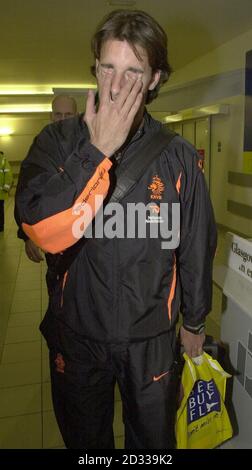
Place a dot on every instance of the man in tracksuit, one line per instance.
(114, 300)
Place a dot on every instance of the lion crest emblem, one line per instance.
(156, 187)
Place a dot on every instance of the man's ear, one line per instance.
(154, 80)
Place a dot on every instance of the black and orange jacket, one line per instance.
(118, 289)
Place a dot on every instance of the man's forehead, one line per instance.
(125, 47)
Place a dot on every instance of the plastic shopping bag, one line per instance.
(202, 420)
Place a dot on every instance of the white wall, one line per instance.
(228, 130)
(218, 77)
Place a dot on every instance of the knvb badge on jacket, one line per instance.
(203, 399)
(157, 187)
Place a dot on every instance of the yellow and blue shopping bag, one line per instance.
(202, 420)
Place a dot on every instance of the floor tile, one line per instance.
(4, 318)
(22, 373)
(22, 334)
(118, 424)
(25, 285)
(45, 352)
(119, 442)
(6, 290)
(24, 302)
(7, 277)
(21, 432)
(5, 305)
(44, 304)
(45, 370)
(11, 251)
(20, 297)
(24, 319)
(117, 393)
(11, 257)
(28, 275)
(21, 352)
(43, 282)
(46, 397)
(44, 293)
(12, 240)
(26, 269)
(20, 400)
(51, 434)
(26, 263)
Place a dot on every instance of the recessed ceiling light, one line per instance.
(25, 108)
(74, 90)
(25, 90)
(41, 89)
(5, 131)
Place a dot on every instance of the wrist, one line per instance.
(105, 150)
(196, 330)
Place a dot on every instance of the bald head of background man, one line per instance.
(63, 107)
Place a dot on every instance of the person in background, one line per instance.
(115, 301)
(6, 180)
(63, 107)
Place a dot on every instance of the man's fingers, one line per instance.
(135, 106)
(195, 353)
(129, 90)
(90, 105)
(132, 97)
(105, 89)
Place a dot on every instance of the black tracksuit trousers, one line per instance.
(83, 375)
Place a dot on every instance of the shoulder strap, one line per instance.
(148, 153)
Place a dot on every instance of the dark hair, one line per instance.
(137, 28)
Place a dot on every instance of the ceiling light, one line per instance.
(215, 109)
(25, 90)
(74, 90)
(44, 89)
(173, 118)
(195, 113)
(5, 131)
(25, 108)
